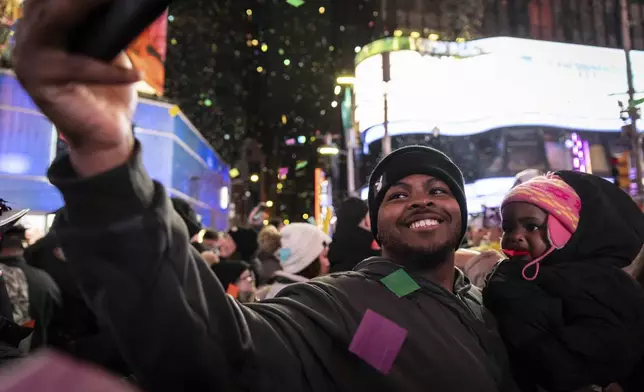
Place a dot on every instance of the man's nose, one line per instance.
(424, 201)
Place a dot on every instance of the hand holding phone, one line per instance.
(112, 27)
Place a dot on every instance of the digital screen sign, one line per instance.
(470, 88)
(148, 54)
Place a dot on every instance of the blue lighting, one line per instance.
(174, 152)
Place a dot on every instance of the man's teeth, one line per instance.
(423, 223)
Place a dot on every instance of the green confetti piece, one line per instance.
(400, 283)
(295, 3)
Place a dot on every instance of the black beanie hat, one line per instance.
(228, 272)
(351, 212)
(412, 160)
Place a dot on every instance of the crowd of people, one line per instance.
(405, 296)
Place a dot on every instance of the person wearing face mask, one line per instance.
(303, 256)
(570, 316)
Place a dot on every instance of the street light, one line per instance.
(349, 82)
(346, 80)
(328, 150)
(254, 178)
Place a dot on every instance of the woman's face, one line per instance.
(525, 229)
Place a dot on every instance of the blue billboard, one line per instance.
(174, 153)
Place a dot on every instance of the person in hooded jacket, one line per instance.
(352, 237)
(570, 316)
(170, 316)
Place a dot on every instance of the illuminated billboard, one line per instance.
(148, 54)
(461, 89)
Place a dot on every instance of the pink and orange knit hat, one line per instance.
(559, 200)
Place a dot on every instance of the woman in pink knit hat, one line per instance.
(571, 318)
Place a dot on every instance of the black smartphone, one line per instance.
(112, 27)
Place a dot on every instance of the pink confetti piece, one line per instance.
(52, 372)
(378, 341)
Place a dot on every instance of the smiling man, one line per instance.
(408, 321)
(418, 205)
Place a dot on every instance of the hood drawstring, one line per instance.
(535, 262)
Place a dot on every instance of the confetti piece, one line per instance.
(52, 372)
(295, 3)
(174, 111)
(400, 283)
(378, 341)
(232, 290)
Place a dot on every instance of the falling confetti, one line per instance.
(212, 59)
(174, 111)
(378, 341)
(50, 371)
(400, 283)
(295, 3)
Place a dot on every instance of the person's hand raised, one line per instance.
(90, 102)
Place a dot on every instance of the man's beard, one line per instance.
(422, 258)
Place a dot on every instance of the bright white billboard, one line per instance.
(499, 82)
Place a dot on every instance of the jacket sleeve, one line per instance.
(170, 316)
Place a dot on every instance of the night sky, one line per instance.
(265, 70)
